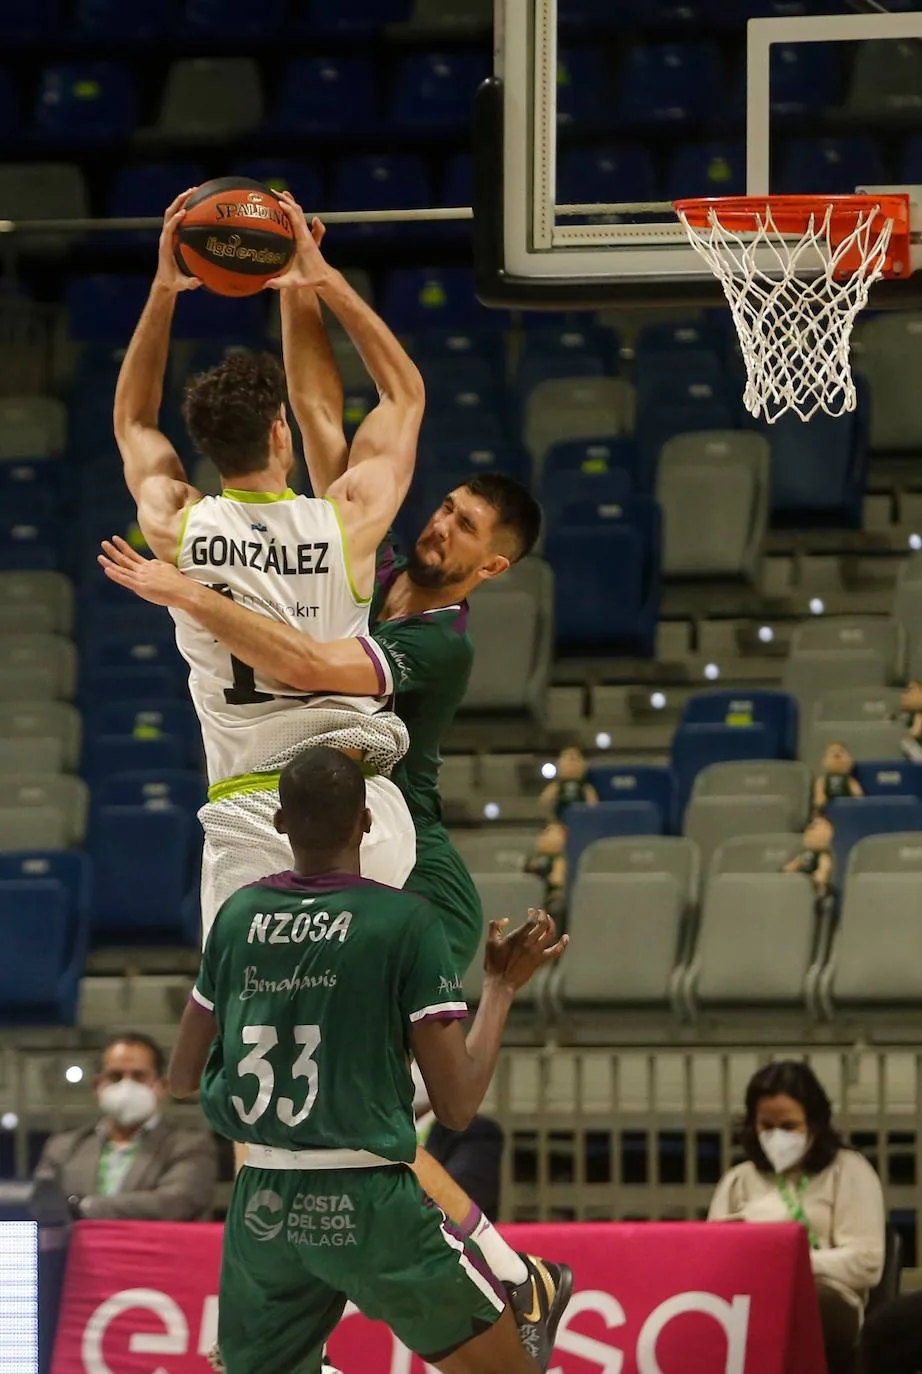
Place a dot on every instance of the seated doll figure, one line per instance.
(911, 716)
(570, 785)
(836, 777)
(549, 863)
(815, 859)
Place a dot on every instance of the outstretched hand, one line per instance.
(515, 958)
(168, 272)
(153, 581)
(308, 266)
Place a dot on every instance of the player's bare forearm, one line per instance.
(197, 1030)
(390, 366)
(457, 1071)
(146, 452)
(314, 387)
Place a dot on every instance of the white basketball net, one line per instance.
(793, 314)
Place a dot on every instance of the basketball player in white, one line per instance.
(302, 561)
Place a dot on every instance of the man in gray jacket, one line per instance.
(132, 1165)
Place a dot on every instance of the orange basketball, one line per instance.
(235, 236)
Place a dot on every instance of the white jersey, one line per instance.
(284, 556)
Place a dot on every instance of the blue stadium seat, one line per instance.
(43, 952)
(30, 489)
(150, 720)
(203, 315)
(29, 545)
(604, 176)
(104, 649)
(327, 95)
(696, 746)
(607, 819)
(911, 165)
(804, 78)
(610, 486)
(85, 102)
(163, 787)
(434, 92)
(147, 189)
(680, 336)
(575, 457)
(538, 368)
(684, 377)
(101, 685)
(453, 461)
(302, 179)
(890, 778)
(585, 91)
(776, 711)
(854, 818)
(23, 21)
(468, 417)
(371, 182)
(208, 353)
(113, 20)
(621, 782)
(360, 17)
(673, 15)
(105, 308)
(707, 169)
(819, 469)
(829, 166)
(576, 16)
(141, 859)
(106, 755)
(668, 84)
(447, 345)
(10, 114)
(222, 20)
(431, 298)
(567, 341)
(445, 377)
(593, 549)
(458, 182)
(69, 869)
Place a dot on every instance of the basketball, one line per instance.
(235, 236)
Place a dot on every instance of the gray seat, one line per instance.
(456, 786)
(42, 793)
(907, 609)
(39, 754)
(504, 895)
(450, 18)
(44, 190)
(766, 853)
(759, 778)
(496, 849)
(711, 821)
(36, 827)
(886, 79)
(37, 667)
(887, 351)
(671, 854)
(866, 704)
(28, 720)
(36, 602)
(513, 635)
(628, 933)
(32, 427)
(210, 98)
(864, 739)
(852, 633)
(713, 488)
(876, 955)
(810, 673)
(755, 941)
(576, 408)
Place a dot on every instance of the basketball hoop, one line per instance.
(796, 270)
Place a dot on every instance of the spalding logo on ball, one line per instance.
(235, 236)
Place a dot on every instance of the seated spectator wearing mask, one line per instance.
(131, 1165)
(798, 1170)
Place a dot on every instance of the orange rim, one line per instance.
(791, 216)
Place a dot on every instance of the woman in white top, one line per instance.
(797, 1169)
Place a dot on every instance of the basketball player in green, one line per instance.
(316, 986)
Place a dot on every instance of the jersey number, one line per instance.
(243, 692)
(264, 1039)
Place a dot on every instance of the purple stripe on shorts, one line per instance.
(379, 671)
(476, 1259)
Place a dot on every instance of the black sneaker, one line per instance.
(538, 1304)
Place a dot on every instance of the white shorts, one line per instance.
(242, 844)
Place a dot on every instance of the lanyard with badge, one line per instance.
(794, 1203)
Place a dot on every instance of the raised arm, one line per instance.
(383, 454)
(457, 1071)
(315, 387)
(154, 473)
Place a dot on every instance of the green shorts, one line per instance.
(298, 1244)
(441, 876)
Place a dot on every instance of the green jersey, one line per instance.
(315, 983)
(429, 658)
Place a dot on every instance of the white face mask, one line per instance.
(128, 1103)
(783, 1149)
